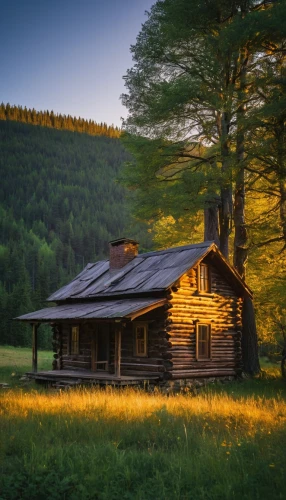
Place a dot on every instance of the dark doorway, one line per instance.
(100, 354)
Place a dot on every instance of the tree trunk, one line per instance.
(225, 215)
(211, 223)
(240, 236)
(249, 344)
(280, 134)
(283, 363)
(249, 334)
(282, 188)
(240, 233)
(225, 212)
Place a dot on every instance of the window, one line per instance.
(74, 340)
(204, 281)
(140, 345)
(203, 341)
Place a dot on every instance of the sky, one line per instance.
(68, 56)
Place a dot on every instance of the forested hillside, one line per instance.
(59, 207)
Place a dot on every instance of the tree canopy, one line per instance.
(207, 89)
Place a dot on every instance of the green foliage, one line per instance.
(60, 204)
(161, 180)
(213, 74)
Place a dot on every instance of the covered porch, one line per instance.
(99, 361)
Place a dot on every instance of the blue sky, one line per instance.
(68, 56)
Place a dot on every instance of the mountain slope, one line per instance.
(59, 207)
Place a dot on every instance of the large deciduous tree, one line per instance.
(191, 84)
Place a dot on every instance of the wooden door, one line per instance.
(100, 348)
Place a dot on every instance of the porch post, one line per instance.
(35, 347)
(117, 353)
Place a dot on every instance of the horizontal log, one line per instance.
(144, 367)
(222, 343)
(223, 347)
(186, 351)
(205, 365)
(200, 373)
(178, 359)
(73, 365)
(142, 373)
(182, 343)
(183, 336)
(191, 310)
(179, 348)
(196, 365)
(190, 330)
(149, 360)
(227, 335)
(225, 360)
(202, 313)
(180, 326)
(197, 299)
(181, 293)
(222, 353)
(203, 316)
(66, 357)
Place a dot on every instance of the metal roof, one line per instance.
(149, 272)
(111, 309)
(145, 275)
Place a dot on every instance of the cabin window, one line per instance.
(204, 278)
(140, 339)
(203, 341)
(74, 340)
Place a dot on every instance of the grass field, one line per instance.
(227, 442)
(14, 362)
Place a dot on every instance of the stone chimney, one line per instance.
(121, 252)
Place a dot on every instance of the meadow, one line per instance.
(225, 442)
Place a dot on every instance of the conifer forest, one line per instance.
(60, 205)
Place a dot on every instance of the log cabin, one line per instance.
(173, 314)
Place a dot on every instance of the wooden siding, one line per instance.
(221, 308)
(153, 363)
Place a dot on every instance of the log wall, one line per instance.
(153, 364)
(221, 309)
(83, 359)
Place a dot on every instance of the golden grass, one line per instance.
(107, 443)
(130, 405)
(226, 442)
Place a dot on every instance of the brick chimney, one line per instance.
(121, 252)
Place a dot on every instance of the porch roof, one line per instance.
(108, 309)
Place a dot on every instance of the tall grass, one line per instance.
(228, 442)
